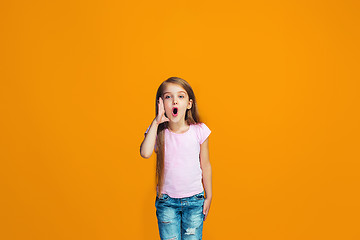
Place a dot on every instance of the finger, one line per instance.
(159, 106)
(162, 103)
(205, 210)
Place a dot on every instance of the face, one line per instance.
(176, 102)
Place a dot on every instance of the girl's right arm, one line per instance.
(148, 144)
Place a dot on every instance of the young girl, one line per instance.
(183, 169)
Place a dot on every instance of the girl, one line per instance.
(183, 168)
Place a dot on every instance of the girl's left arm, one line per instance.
(206, 174)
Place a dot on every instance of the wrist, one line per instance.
(208, 196)
(155, 122)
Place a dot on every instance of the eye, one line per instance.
(167, 96)
(181, 96)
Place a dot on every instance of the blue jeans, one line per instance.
(180, 218)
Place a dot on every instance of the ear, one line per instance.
(190, 104)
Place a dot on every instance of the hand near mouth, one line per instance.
(160, 118)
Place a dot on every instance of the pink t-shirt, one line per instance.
(182, 171)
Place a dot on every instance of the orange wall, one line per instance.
(277, 82)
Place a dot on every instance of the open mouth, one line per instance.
(175, 111)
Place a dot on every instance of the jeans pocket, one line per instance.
(163, 197)
(199, 196)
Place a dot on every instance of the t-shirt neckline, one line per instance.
(180, 133)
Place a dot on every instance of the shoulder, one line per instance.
(202, 131)
(201, 127)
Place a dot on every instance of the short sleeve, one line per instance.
(204, 132)
(146, 133)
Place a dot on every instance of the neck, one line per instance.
(177, 126)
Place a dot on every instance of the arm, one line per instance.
(147, 145)
(207, 175)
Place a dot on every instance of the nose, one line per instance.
(175, 101)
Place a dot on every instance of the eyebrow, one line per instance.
(178, 92)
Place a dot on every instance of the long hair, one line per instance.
(191, 117)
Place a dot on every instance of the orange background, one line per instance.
(277, 82)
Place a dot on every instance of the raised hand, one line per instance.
(160, 118)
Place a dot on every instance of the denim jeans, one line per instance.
(180, 218)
